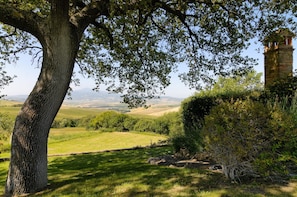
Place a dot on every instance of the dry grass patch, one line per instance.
(154, 110)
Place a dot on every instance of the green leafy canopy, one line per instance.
(133, 46)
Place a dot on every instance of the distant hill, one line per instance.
(86, 98)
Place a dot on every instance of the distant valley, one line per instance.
(86, 98)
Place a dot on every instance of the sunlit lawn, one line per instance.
(73, 140)
(126, 173)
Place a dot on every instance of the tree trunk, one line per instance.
(28, 164)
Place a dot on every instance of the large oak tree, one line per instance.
(130, 46)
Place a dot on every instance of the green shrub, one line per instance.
(6, 127)
(6, 123)
(168, 124)
(283, 88)
(184, 145)
(55, 124)
(129, 123)
(85, 121)
(287, 124)
(112, 120)
(248, 138)
(145, 125)
(65, 122)
(175, 124)
(4, 142)
(161, 126)
(193, 111)
(195, 108)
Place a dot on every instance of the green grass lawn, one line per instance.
(76, 140)
(73, 140)
(126, 173)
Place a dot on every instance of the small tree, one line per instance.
(237, 84)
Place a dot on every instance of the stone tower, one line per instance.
(278, 55)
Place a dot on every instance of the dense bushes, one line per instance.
(70, 122)
(168, 124)
(249, 132)
(195, 108)
(113, 121)
(283, 88)
(110, 120)
(65, 122)
(184, 145)
(249, 138)
(144, 125)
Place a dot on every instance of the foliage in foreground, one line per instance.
(283, 88)
(249, 138)
(196, 107)
(251, 133)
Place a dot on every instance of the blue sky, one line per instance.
(27, 74)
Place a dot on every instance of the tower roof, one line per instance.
(279, 35)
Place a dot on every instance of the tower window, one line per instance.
(275, 44)
(288, 41)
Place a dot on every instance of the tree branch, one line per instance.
(24, 20)
(182, 17)
(106, 30)
(88, 14)
(23, 49)
(9, 35)
(158, 26)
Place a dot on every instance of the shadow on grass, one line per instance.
(126, 173)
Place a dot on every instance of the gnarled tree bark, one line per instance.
(28, 164)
